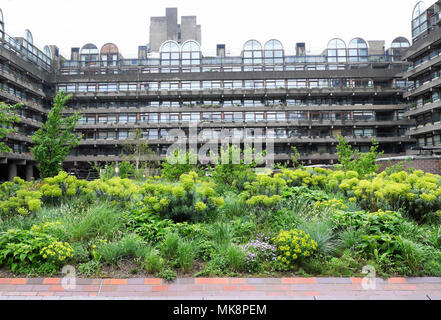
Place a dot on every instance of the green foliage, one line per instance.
(130, 246)
(19, 198)
(153, 262)
(90, 268)
(32, 248)
(187, 200)
(170, 245)
(186, 255)
(354, 160)
(126, 170)
(53, 141)
(100, 220)
(230, 168)
(168, 274)
(369, 222)
(7, 120)
(148, 225)
(293, 246)
(177, 164)
(322, 232)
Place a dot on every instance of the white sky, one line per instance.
(73, 23)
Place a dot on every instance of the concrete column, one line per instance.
(12, 171)
(29, 172)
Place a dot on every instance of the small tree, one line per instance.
(354, 160)
(54, 140)
(295, 156)
(138, 150)
(7, 120)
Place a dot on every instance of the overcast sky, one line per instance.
(126, 23)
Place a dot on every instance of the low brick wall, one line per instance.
(426, 164)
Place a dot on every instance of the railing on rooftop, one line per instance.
(26, 51)
(230, 64)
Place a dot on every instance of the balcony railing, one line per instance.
(26, 52)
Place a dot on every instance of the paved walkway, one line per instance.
(221, 289)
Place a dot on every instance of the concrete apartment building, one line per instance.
(359, 89)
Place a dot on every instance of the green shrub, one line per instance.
(322, 233)
(19, 198)
(235, 257)
(91, 268)
(101, 220)
(32, 248)
(186, 255)
(411, 253)
(293, 246)
(433, 268)
(81, 253)
(153, 262)
(221, 234)
(168, 274)
(128, 247)
(170, 245)
(148, 225)
(370, 222)
(188, 200)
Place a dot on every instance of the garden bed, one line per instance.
(304, 222)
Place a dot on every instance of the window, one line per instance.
(358, 50)
(336, 51)
(252, 52)
(363, 115)
(363, 132)
(191, 53)
(274, 52)
(419, 20)
(170, 54)
(109, 55)
(89, 55)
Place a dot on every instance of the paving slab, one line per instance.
(332, 288)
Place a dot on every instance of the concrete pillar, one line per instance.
(12, 171)
(29, 172)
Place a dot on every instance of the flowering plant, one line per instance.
(293, 246)
(258, 252)
(31, 248)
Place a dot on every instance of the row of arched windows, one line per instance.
(272, 52)
(108, 55)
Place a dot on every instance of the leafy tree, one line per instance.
(7, 119)
(54, 140)
(177, 164)
(139, 151)
(354, 160)
(295, 156)
(230, 169)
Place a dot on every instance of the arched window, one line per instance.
(191, 53)
(252, 52)
(109, 55)
(419, 19)
(28, 37)
(358, 50)
(170, 53)
(400, 42)
(274, 52)
(336, 50)
(398, 45)
(47, 51)
(89, 55)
